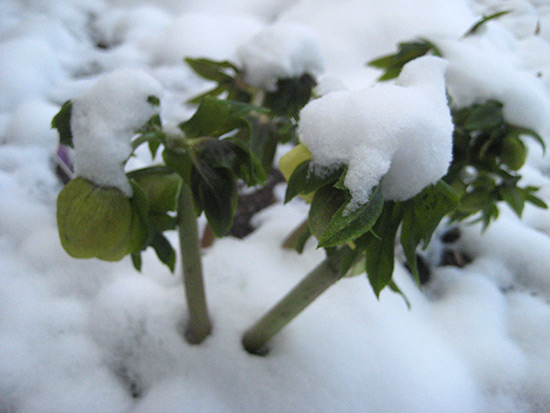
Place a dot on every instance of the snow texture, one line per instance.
(398, 135)
(89, 336)
(103, 121)
(280, 51)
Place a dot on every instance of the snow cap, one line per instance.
(279, 51)
(103, 121)
(397, 134)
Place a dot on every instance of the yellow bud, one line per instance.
(292, 159)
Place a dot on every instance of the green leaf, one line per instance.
(326, 201)
(395, 288)
(216, 117)
(380, 250)
(164, 250)
(291, 96)
(486, 116)
(536, 201)
(264, 138)
(349, 257)
(232, 154)
(484, 20)
(151, 133)
(348, 225)
(153, 100)
(302, 240)
(407, 51)
(514, 197)
(410, 240)
(62, 122)
(421, 216)
(136, 260)
(304, 181)
(161, 222)
(531, 133)
(211, 69)
(430, 206)
(179, 162)
(215, 192)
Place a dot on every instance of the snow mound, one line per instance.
(279, 51)
(397, 134)
(103, 121)
(479, 72)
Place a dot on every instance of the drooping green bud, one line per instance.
(94, 221)
(161, 186)
(513, 152)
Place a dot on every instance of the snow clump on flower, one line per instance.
(396, 134)
(283, 50)
(103, 121)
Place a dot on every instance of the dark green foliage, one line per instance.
(474, 29)
(62, 122)
(367, 232)
(216, 117)
(380, 247)
(291, 96)
(487, 153)
(393, 64)
(347, 225)
(421, 216)
(304, 181)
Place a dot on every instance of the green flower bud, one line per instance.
(161, 186)
(97, 222)
(513, 152)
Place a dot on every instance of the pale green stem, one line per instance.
(303, 294)
(291, 240)
(199, 326)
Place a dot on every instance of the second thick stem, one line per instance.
(199, 326)
(303, 294)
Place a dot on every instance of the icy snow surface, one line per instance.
(91, 336)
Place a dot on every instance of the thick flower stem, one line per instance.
(303, 294)
(199, 322)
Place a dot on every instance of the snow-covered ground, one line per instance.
(91, 336)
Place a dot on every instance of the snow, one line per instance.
(103, 121)
(471, 79)
(399, 135)
(280, 51)
(88, 336)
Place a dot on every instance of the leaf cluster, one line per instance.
(365, 236)
(487, 155)
(392, 64)
(286, 100)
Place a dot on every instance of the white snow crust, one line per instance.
(283, 50)
(398, 135)
(103, 121)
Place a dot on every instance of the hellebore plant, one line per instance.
(223, 142)
(233, 136)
